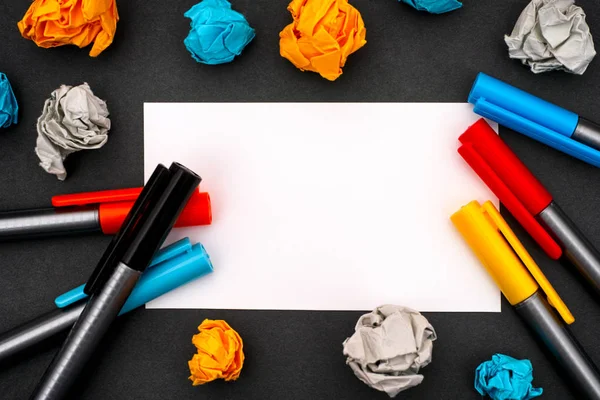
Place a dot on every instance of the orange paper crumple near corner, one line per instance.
(324, 33)
(220, 353)
(51, 23)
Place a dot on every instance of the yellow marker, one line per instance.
(504, 257)
(519, 278)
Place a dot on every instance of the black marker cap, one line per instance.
(148, 223)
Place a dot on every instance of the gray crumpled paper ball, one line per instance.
(388, 348)
(73, 119)
(552, 35)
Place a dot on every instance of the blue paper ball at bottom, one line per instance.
(506, 378)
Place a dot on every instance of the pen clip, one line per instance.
(553, 297)
(537, 132)
(165, 254)
(508, 198)
(99, 197)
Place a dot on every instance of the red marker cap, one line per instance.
(509, 179)
(114, 205)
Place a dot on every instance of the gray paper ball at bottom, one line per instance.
(389, 347)
(73, 119)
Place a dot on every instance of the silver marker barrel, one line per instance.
(582, 373)
(587, 132)
(90, 328)
(28, 224)
(577, 248)
(33, 332)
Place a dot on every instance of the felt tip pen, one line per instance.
(92, 212)
(528, 201)
(526, 289)
(173, 266)
(130, 252)
(545, 122)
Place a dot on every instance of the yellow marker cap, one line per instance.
(504, 257)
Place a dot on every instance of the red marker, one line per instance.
(96, 212)
(527, 200)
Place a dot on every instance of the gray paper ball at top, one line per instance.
(73, 119)
(552, 35)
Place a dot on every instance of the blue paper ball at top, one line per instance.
(218, 33)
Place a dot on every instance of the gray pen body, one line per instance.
(25, 336)
(543, 320)
(587, 132)
(48, 222)
(96, 318)
(578, 249)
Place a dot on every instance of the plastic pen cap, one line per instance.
(533, 117)
(148, 223)
(114, 205)
(504, 257)
(509, 179)
(171, 267)
(501, 96)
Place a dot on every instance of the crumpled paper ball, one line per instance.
(388, 348)
(324, 33)
(73, 119)
(9, 109)
(220, 353)
(217, 33)
(434, 6)
(552, 35)
(505, 378)
(51, 23)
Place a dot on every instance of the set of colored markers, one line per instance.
(141, 219)
(489, 236)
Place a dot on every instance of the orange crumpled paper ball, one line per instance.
(51, 23)
(324, 33)
(220, 353)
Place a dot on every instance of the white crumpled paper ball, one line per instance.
(388, 348)
(552, 35)
(73, 119)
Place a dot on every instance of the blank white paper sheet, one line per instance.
(326, 206)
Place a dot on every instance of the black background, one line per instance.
(409, 57)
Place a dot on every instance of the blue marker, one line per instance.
(171, 267)
(540, 120)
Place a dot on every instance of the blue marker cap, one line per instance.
(171, 267)
(531, 116)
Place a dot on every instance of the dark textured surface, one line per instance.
(290, 355)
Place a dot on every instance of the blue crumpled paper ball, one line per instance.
(434, 6)
(217, 33)
(505, 378)
(9, 109)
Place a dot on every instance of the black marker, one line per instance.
(130, 252)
